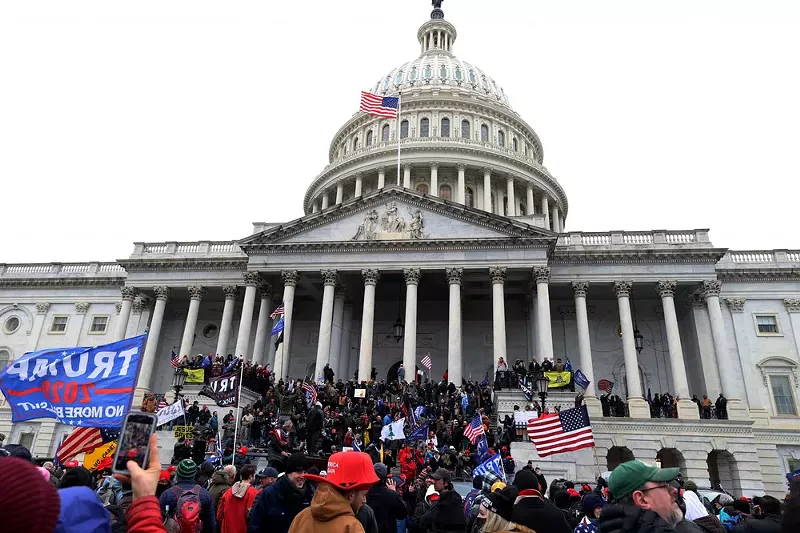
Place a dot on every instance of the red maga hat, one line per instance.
(348, 471)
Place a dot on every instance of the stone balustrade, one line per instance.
(761, 257)
(54, 270)
(189, 249)
(696, 237)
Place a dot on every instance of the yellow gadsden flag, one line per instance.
(92, 460)
(195, 375)
(558, 379)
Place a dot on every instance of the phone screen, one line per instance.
(134, 441)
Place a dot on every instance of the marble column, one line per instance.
(455, 362)
(264, 325)
(727, 372)
(461, 187)
(344, 348)
(546, 211)
(487, 189)
(367, 324)
(686, 408)
(336, 331)
(412, 277)
(314, 207)
(153, 336)
(407, 176)
(251, 281)
(196, 293)
(224, 337)
(329, 280)
(530, 208)
(533, 343)
(283, 357)
(128, 294)
(434, 185)
(339, 193)
(512, 198)
(579, 290)
(498, 277)
(325, 200)
(359, 184)
(381, 177)
(543, 326)
(556, 220)
(637, 405)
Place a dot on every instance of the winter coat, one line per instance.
(314, 420)
(419, 511)
(539, 514)
(170, 498)
(771, 523)
(367, 518)
(219, 484)
(710, 524)
(277, 506)
(447, 514)
(144, 516)
(687, 526)
(81, 511)
(234, 506)
(391, 507)
(329, 513)
(631, 519)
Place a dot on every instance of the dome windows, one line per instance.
(445, 127)
(459, 74)
(385, 133)
(484, 83)
(472, 79)
(386, 82)
(413, 74)
(443, 72)
(404, 129)
(445, 192)
(355, 144)
(469, 197)
(484, 133)
(369, 138)
(465, 129)
(428, 74)
(424, 127)
(514, 144)
(422, 188)
(501, 138)
(398, 79)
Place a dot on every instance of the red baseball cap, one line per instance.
(348, 471)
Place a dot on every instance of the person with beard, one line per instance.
(644, 500)
(281, 502)
(447, 514)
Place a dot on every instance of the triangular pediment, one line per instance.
(396, 214)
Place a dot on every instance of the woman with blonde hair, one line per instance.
(497, 509)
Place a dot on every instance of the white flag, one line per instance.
(393, 431)
(170, 412)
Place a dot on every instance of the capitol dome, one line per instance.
(459, 140)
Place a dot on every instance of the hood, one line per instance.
(329, 504)
(82, 512)
(207, 468)
(220, 478)
(710, 524)
(239, 489)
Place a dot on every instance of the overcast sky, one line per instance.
(160, 120)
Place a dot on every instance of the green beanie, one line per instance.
(187, 469)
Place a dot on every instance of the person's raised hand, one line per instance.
(145, 482)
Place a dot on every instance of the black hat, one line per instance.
(526, 479)
(296, 462)
(443, 474)
(501, 502)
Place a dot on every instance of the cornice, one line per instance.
(508, 243)
(636, 255)
(758, 274)
(183, 264)
(678, 429)
(106, 282)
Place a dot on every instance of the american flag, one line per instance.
(162, 403)
(277, 312)
(474, 429)
(175, 361)
(311, 390)
(605, 385)
(379, 106)
(426, 362)
(79, 441)
(562, 432)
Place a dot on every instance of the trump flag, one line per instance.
(76, 386)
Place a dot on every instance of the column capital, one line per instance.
(454, 275)
(498, 275)
(289, 277)
(695, 300)
(407, 167)
(42, 308)
(510, 177)
(580, 288)
(711, 287)
(541, 274)
(81, 307)
(162, 292)
(792, 305)
(340, 291)
(252, 279)
(118, 307)
(623, 288)
(412, 276)
(128, 293)
(329, 277)
(736, 305)
(487, 170)
(382, 169)
(230, 291)
(371, 276)
(266, 290)
(666, 288)
(196, 292)
(461, 167)
(434, 165)
(140, 304)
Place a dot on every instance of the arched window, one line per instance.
(445, 127)
(469, 197)
(398, 79)
(404, 129)
(413, 74)
(501, 138)
(445, 192)
(483, 81)
(355, 144)
(5, 358)
(459, 75)
(465, 129)
(484, 133)
(472, 79)
(428, 72)
(443, 72)
(514, 143)
(424, 127)
(386, 82)
(422, 188)
(369, 138)
(385, 133)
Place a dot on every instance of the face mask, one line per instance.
(480, 522)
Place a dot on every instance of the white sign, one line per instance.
(360, 393)
(521, 417)
(393, 431)
(170, 412)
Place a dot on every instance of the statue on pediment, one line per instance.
(417, 224)
(366, 231)
(392, 221)
(391, 225)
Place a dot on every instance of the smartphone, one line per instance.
(134, 441)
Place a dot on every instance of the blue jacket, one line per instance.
(207, 515)
(273, 512)
(82, 512)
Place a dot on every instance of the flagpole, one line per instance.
(238, 412)
(398, 138)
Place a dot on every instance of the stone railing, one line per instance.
(29, 270)
(190, 249)
(748, 258)
(698, 237)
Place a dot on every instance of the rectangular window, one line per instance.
(767, 325)
(99, 325)
(59, 324)
(26, 439)
(782, 393)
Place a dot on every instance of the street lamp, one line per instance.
(398, 330)
(638, 339)
(542, 383)
(178, 381)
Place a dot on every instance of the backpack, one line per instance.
(186, 518)
(117, 509)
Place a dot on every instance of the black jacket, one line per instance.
(540, 515)
(709, 524)
(314, 421)
(771, 523)
(631, 519)
(446, 515)
(390, 506)
(367, 518)
(687, 526)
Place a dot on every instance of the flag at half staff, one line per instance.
(379, 106)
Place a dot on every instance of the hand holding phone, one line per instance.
(134, 441)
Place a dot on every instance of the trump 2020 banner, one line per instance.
(76, 386)
(224, 390)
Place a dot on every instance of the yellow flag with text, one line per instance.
(558, 379)
(92, 460)
(195, 375)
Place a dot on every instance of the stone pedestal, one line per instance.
(638, 408)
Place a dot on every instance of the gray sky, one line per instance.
(184, 120)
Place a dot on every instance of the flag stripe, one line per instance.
(379, 106)
(567, 431)
(80, 440)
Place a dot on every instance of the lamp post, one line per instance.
(542, 383)
(178, 381)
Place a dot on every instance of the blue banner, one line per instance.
(421, 433)
(581, 380)
(481, 449)
(76, 386)
(492, 464)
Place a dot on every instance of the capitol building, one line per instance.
(463, 252)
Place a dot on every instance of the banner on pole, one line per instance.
(224, 390)
(76, 386)
(558, 379)
(194, 375)
(170, 413)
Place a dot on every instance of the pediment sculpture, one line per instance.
(390, 225)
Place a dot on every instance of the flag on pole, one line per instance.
(526, 391)
(420, 433)
(79, 441)
(426, 362)
(219, 444)
(418, 412)
(279, 311)
(492, 464)
(474, 429)
(562, 432)
(581, 380)
(175, 361)
(605, 385)
(278, 327)
(568, 365)
(485, 382)
(482, 449)
(311, 391)
(379, 106)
